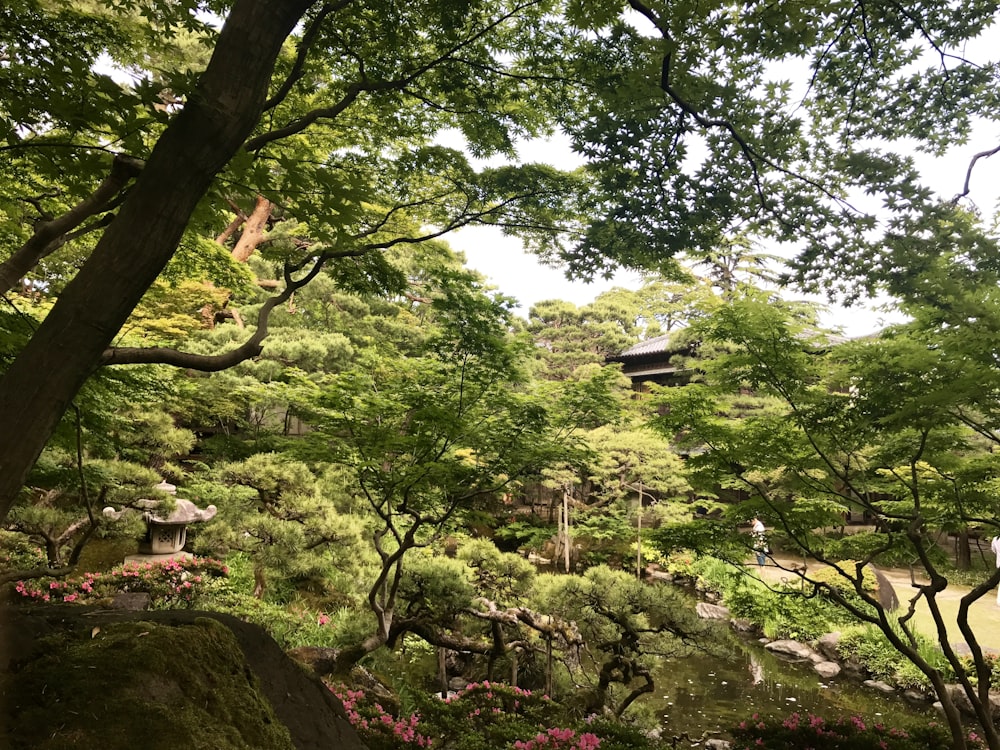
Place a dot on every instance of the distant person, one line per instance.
(759, 534)
(995, 546)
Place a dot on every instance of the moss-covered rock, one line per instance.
(85, 677)
(140, 684)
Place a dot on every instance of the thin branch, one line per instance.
(50, 235)
(966, 189)
(305, 46)
(354, 90)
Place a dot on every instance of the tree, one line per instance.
(624, 467)
(423, 442)
(569, 337)
(690, 132)
(207, 132)
(794, 124)
(272, 511)
(626, 624)
(185, 137)
(871, 425)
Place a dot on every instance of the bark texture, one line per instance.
(212, 127)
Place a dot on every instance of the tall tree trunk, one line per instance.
(219, 116)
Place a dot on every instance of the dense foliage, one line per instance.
(223, 265)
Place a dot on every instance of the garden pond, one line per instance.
(703, 694)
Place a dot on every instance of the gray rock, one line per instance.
(854, 668)
(879, 685)
(884, 590)
(715, 744)
(792, 649)
(827, 645)
(708, 611)
(827, 669)
(133, 601)
(742, 625)
(962, 702)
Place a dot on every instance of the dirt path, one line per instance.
(984, 615)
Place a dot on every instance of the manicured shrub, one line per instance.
(174, 582)
(487, 716)
(846, 733)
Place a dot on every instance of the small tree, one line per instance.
(271, 510)
(873, 425)
(429, 440)
(628, 627)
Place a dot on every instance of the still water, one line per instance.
(703, 694)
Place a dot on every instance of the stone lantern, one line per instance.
(166, 535)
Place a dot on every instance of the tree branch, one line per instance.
(354, 90)
(50, 235)
(966, 187)
(308, 38)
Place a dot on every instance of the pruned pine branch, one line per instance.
(251, 348)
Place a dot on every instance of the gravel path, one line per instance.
(984, 615)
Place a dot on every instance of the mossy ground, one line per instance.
(128, 685)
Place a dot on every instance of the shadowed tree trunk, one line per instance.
(219, 116)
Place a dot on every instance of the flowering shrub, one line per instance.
(377, 727)
(559, 739)
(846, 733)
(486, 716)
(168, 583)
(18, 553)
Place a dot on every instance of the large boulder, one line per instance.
(708, 611)
(827, 669)
(962, 702)
(794, 650)
(884, 590)
(84, 677)
(827, 645)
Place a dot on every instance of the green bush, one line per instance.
(678, 562)
(792, 614)
(862, 545)
(523, 534)
(781, 611)
(717, 575)
(869, 646)
(17, 552)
